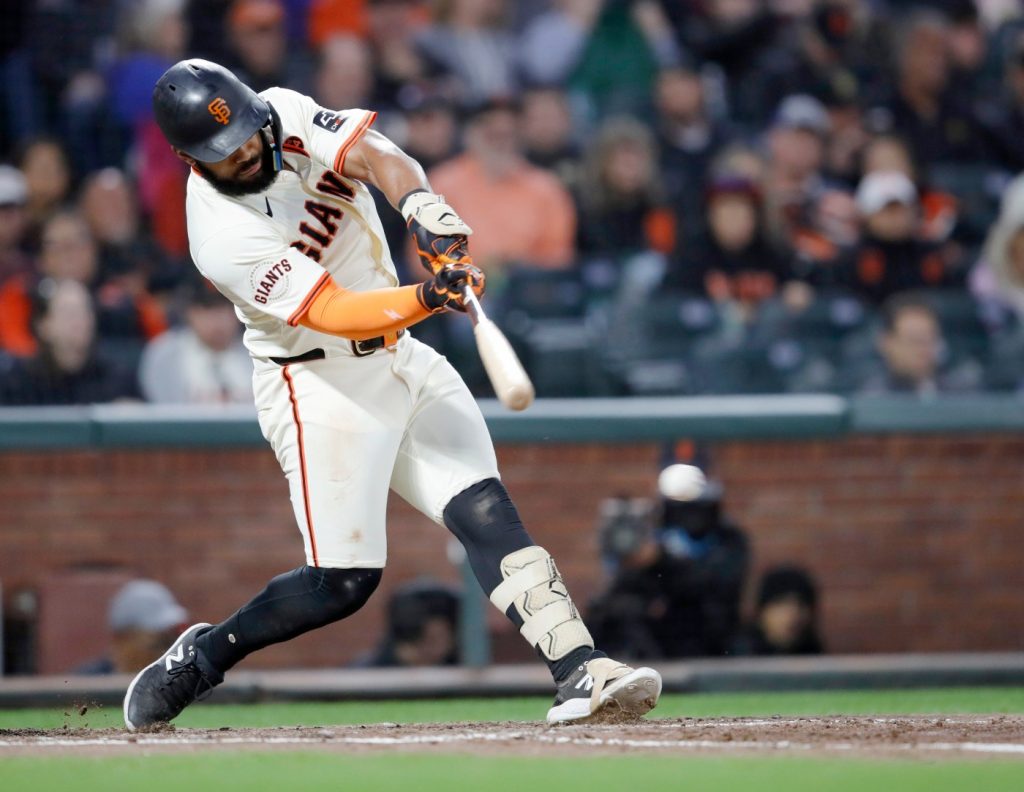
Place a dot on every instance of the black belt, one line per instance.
(359, 349)
(305, 357)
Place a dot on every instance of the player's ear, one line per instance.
(183, 156)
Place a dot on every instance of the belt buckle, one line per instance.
(362, 351)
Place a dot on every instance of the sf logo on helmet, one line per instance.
(219, 110)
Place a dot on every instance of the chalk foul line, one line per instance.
(486, 737)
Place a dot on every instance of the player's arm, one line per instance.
(256, 268)
(363, 315)
(440, 234)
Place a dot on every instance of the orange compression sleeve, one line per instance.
(362, 315)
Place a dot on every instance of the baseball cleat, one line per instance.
(161, 690)
(602, 683)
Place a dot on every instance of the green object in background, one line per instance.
(617, 69)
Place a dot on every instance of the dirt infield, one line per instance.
(919, 737)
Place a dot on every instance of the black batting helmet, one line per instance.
(205, 111)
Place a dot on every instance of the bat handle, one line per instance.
(473, 307)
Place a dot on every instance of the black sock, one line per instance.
(291, 604)
(562, 668)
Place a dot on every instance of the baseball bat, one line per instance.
(507, 375)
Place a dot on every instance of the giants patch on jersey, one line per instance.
(269, 280)
(328, 120)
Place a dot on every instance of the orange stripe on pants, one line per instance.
(302, 463)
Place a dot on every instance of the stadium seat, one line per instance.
(557, 354)
(977, 188)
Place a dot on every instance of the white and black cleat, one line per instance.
(603, 683)
(161, 690)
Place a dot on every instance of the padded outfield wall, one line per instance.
(909, 513)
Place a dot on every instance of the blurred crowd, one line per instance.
(689, 196)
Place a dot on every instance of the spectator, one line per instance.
(69, 252)
(422, 628)
(621, 207)
(847, 137)
(786, 618)
(432, 130)
(796, 150)
(329, 18)
(143, 618)
(67, 368)
(399, 67)
(518, 213)
(733, 263)
(627, 46)
(259, 47)
(939, 209)
(344, 75)
(47, 172)
(911, 346)
(733, 34)
(826, 53)
(14, 258)
(548, 139)
(128, 256)
(740, 162)
(151, 38)
(679, 569)
(553, 41)
(203, 361)
(688, 139)
(937, 122)
(891, 256)
(470, 45)
(998, 277)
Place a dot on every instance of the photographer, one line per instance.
(679, 567)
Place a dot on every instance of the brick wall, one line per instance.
(917, 541)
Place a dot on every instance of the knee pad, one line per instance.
(531, 582)
(483, 514)
(485, 520)
(343, 591)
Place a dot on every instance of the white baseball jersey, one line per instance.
(271, 252)
(346, 429)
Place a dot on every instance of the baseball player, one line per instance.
(281, 222)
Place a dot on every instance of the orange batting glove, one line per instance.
(438, 231)
(446, 288)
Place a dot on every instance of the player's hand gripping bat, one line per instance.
(508, 378)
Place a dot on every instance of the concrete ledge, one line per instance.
(719, 675)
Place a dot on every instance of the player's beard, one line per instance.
(236, 188)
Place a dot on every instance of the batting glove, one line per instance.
(440, 234)
(446, 288)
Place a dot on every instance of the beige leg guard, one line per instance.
(550, 620)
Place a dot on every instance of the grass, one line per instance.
(280, 769)
(702, 705)
(277, 771)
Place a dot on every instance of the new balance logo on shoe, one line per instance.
(587, 683)
(178, 658)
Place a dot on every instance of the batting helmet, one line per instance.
(205, 111)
